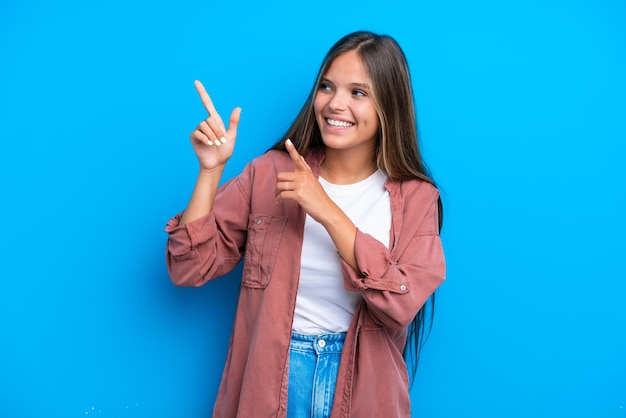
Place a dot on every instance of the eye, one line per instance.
(360, 93)
(324, 86)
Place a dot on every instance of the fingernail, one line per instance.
(289, 141)
(223, 139)
(217, 142)
(208, 142)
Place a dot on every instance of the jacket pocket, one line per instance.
(264, 234)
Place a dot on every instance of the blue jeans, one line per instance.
(313, 366)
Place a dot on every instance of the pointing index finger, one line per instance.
(206, 100)
(295, 156)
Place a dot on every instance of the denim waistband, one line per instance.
(320, 344)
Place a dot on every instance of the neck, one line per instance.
(342, 167)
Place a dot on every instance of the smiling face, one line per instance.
(344, 109)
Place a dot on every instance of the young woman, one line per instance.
(338, 225)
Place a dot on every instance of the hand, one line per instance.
(302, 186)
(212, 142)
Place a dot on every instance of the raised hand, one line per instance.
(211, 140)
(302, 186)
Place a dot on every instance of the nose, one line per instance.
(337, 102)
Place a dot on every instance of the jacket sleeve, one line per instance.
(396, 284)
(210, 246)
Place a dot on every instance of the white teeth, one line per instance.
(339, 123)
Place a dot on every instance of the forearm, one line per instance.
(394, 289)
(343, 234)
(395, 283)
(203, 195)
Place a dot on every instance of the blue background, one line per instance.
(521, 108)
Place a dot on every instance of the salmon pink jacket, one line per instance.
(246, 222)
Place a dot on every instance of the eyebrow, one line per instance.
(359, 85)
(362, 85)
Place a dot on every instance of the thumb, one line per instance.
(234, 122)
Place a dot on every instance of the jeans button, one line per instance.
(321, 343)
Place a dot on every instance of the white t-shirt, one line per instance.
(323, 304)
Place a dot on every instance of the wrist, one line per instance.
(213, 171)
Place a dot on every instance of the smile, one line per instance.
(339, 123)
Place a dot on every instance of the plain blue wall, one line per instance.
(522, 111)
